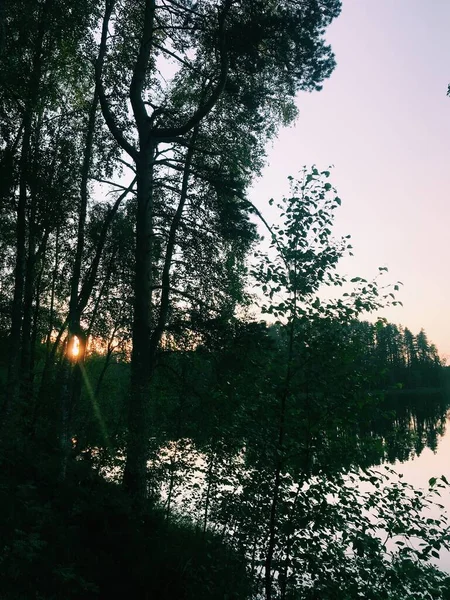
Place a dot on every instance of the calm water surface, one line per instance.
(430, 462)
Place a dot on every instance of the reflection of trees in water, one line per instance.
(329, 426)
(387, 429)
(217, 448)
(405, 424)
(231, 494)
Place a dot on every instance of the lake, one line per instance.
(429, 432)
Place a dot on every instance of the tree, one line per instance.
(214, 36)
(38, 56)
(305, 259)
(255, 455)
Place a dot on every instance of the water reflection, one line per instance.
(394, 427)
(407, 422)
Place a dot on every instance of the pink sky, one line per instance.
(383, 121)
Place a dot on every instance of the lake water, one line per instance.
(430, 462)
(420, 469)
(410, 431)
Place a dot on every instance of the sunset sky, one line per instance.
(383, 121)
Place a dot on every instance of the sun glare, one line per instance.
(75, 347)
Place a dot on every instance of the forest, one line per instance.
(194, 402)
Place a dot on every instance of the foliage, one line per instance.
(363, 535)
(259, 432)
(83, 539)
(130, 133)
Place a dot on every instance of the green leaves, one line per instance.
(302, 251)
(330, 525)
(304, 255)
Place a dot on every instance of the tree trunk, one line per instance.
(29, 287)
(135, 473)
(13, 377)
(280, 449)
(12, 386)
(144, 345)
(72, 380)
(209, 478)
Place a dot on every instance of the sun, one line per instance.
(75, 347)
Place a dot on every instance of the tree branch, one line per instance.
(179, 59)
(163, 133)
(88, 283)
(106, 110)
(174, 226)
(139, 72)
(113, 183)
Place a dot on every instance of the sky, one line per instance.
(383, 120)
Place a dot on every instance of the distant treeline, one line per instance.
(400, 358)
